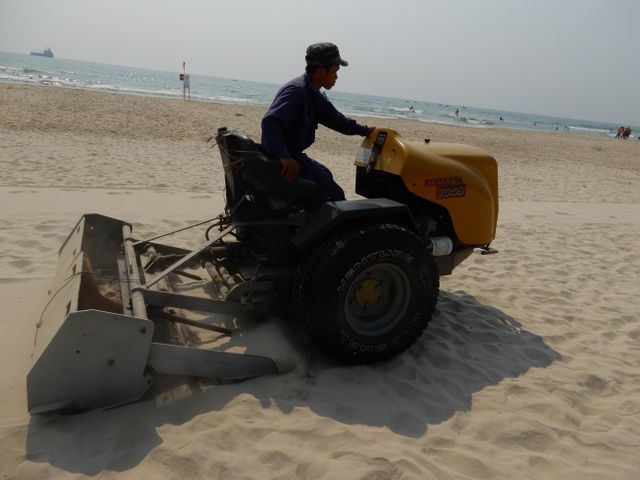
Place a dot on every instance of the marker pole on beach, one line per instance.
(186, 82)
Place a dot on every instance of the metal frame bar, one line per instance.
(193, 323)
(133, 274)
(186, 258)
(138, 242)
(188, 302)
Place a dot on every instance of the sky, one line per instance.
(566, 58)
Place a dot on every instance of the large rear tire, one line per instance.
(367, 293)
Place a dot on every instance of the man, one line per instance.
(288, 127)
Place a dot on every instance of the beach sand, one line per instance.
(529, 368)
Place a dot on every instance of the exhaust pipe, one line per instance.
(441, 246)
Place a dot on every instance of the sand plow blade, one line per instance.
(98, 341)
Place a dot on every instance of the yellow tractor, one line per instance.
(362, 276)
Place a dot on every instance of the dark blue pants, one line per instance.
(328, 189)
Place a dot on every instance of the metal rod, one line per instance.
(138, 305)
(201, 304)
(174, 231)
(188, 257)
(192, 276)
(195, 323)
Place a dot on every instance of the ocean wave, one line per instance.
(369, 114)
(32, 71)
(405, 110)
(590, 129)
(478, 121)
(108, 87)
(103, 86)
(6, 68)
(227, 99)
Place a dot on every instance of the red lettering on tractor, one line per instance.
(440, 182)
(451, 191)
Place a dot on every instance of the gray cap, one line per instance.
(324, 54)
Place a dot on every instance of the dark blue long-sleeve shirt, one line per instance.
(289, 126)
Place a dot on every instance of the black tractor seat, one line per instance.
(248, 169)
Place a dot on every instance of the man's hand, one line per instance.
(290, 168)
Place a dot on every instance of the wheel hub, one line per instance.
(368, 292)
(377, 299)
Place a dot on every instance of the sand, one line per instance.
(528, 370)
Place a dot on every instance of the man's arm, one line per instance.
(273, 141)
(330, 117)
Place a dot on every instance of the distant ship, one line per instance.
(46, 53)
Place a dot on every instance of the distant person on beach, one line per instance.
(457, 111)
(626, 133)
(620, 132)
(289, 126)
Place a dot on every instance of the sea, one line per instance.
(28, 69)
